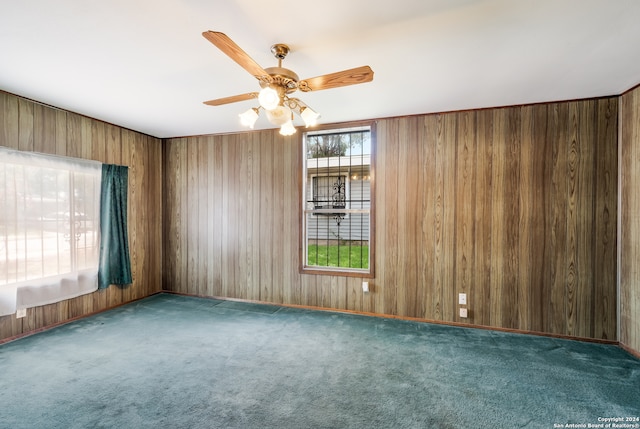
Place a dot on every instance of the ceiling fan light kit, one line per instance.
(287, 128)
(277, 83)
(309, 117)
(249, 118)
(279, 115)
(268, 98)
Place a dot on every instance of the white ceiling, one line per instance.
(144, 65)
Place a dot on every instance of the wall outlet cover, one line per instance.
(463, 313)
(21, 312)
(462, 298)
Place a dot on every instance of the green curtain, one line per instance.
(115, 264)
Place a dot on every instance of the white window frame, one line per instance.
(308, 210)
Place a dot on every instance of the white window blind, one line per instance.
(49, 228)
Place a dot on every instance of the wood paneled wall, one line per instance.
(30, 126)
(515, 206)
(231, 221)
(630, 219)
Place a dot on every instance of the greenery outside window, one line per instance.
(338, 202)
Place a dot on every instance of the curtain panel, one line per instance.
(115, 262)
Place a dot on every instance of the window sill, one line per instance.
(337, 271)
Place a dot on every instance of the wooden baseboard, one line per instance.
(629, 350)
(73, 319)
(413, 319)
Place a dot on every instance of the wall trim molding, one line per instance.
(626, 348)
(73, 319)
(414, 319)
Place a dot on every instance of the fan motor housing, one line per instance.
(282, 77)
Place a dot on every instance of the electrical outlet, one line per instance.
(462, 298)
(463, 313)
(21, 312)
(365, 287)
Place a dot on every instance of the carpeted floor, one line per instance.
(178, 362)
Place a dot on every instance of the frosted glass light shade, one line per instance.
(309, 117)
(268, 98)
(249, 118)
(287, 128)
(279, 115)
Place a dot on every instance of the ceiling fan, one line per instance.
(277, 83)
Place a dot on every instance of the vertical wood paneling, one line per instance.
(629, 157)
(267, 211)
(61, 133)
(403, 241)
(585, 287)
(309, 290)
(606, 200)
(630, 219)
(480, 295)
(465, 207)
(203, 221)
(25, 125)
(170, 151)
(498, 218)
(449, 234)
(513, 233)
(44, 124)
(351, 296)
(182, 217)
(153, 234)
(127, 151)
(242, 218)
(426, 138)
(512, 206)
(192, 194)
(324, 291)
(527, 205)
(113, 142)
(9, 121)
(29, 126)
(572, 276)
(557, 218)
(541, 162)
(135, 211)
(436, 311)
(253, 227)
(278, 149)
(407, 220)
(98, 139)
(376, 300)
(390, 207)
(292, 203)
(216, 194)
(74, 136)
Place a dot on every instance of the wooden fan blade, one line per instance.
(229, 47)
(232, 99)
(334, 80)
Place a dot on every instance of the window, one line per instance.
(337, 202)
(49, 228)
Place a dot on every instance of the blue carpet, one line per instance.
(179, 362)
